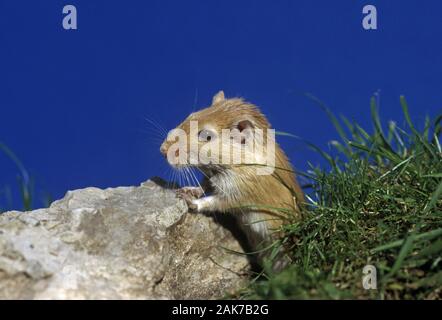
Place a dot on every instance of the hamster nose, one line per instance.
(163, 150)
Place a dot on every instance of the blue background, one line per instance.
(73, 103)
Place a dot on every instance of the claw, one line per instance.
(189, 194)
(195, 192)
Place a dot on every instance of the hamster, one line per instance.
(262, 203)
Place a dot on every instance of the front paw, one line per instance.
(191, 203)
(190, 195)
(194, 192)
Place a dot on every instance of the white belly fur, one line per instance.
(255, 227)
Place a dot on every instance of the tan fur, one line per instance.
(235, 186)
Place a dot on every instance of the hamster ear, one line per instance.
(244, 124)
(245, 127)
(218, 97)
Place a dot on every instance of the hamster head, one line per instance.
(204, 136)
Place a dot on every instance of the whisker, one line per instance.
(195, 100)
(152, 131)
(196, 180)
(225, 193)
(157, 125)
(186, 178)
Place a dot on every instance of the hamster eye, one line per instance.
(205, 135)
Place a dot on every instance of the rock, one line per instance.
(117, 243)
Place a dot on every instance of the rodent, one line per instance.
(238, 189)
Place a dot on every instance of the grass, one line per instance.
(25, 183)
(379, 203)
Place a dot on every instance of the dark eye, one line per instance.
(206, 135)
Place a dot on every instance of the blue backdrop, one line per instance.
(73, 103)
